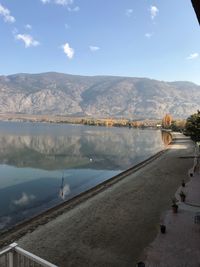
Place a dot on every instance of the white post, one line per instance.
(10, 259)
(12, 255)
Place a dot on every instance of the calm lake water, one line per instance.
(42, 165)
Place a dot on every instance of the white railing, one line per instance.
(14, 256)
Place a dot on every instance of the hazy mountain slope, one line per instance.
(57, 93)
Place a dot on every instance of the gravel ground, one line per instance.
(113, 227)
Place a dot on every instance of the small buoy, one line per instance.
(90, 160)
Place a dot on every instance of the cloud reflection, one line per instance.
(24, 200)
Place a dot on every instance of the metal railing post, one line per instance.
(10, 259)
(12, 256)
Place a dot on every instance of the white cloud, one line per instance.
(94, 48)
(154, 11)
(148, 34)
(74, 9)
(63, 2)
(5, 13)
(129, 12)
(45, 1)
(28, 26)
(27, 39)
(68, 50)
(193, 56)
(24, 199)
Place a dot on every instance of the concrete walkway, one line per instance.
(113, 227)
(180, 246)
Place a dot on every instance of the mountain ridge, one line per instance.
(56, 93)
(100, 75)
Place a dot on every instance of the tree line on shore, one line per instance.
(190, 126)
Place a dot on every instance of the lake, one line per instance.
(42, 165)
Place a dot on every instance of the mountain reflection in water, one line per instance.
(42, 165)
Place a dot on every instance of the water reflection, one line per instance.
(78, 147)
(42, 165)
(166, 138)
(64, 189)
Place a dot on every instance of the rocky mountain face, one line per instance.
(98, 96)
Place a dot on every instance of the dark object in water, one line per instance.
(183, 183)
(162, 228)
(191, 174)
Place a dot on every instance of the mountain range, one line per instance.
(98, 96)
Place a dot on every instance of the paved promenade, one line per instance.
(180, 246)
(113, 227)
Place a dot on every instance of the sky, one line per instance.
(157, 39)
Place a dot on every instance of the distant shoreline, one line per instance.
(91, 121)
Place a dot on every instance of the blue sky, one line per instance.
(158, 39)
